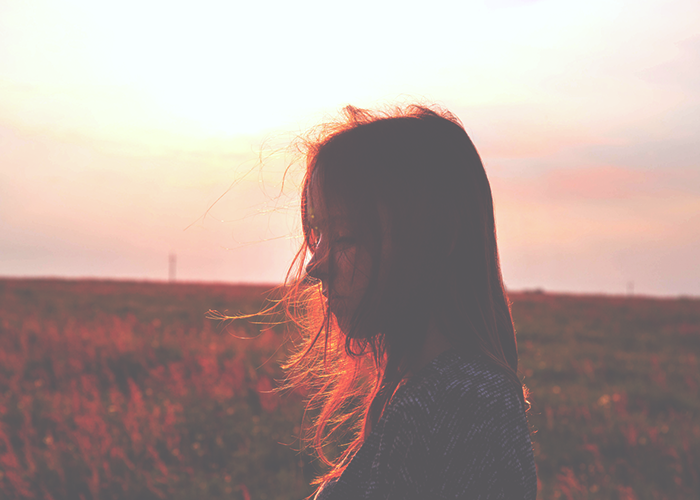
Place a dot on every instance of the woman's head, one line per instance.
(407, 195)
(399, 230)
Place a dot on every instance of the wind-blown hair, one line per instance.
(418, 167)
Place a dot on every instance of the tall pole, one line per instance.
(172, 267)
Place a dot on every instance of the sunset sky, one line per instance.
(122, 124)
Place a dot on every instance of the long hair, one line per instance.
(418, 168)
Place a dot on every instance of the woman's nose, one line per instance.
(314, 268)
(317, 266)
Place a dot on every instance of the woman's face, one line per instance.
(340, 260)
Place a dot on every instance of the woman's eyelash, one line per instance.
(341, 240)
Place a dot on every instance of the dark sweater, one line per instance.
(456, 430)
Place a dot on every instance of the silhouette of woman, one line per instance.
(408, 343)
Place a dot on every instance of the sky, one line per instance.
(133, 130)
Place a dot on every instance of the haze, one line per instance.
(122, 124)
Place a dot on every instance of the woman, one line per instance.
(408, 344)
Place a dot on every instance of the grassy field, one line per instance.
(117, 390)
(615, 405)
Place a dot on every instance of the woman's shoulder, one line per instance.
(445, 434)
(460, 398)
(477, 437)
(453, 380)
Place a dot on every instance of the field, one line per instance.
(123, 390)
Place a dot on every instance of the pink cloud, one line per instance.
(597, 183)
(602, 182)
